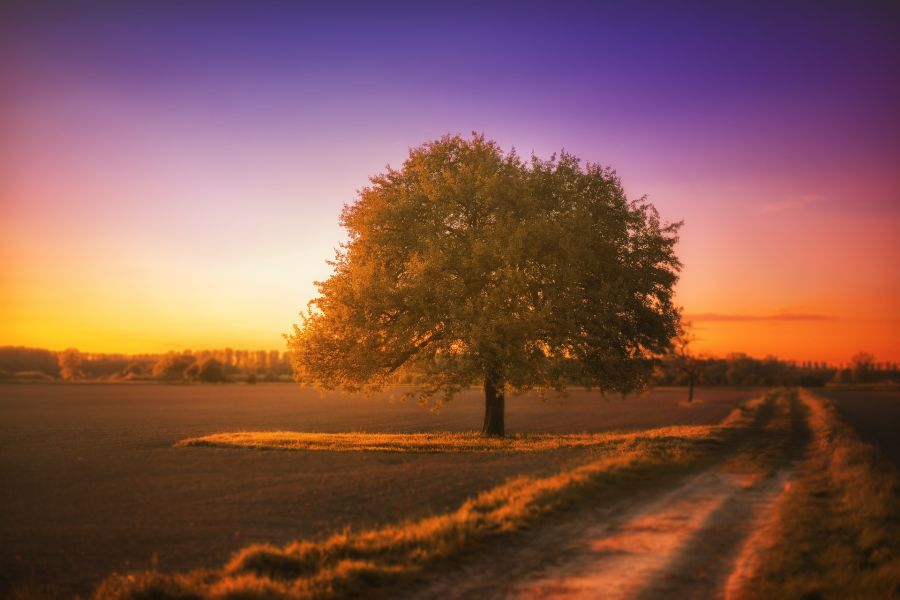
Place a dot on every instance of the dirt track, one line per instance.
(698, 539)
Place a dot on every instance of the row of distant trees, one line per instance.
(742, 370)
(250, 366)
(205, 365)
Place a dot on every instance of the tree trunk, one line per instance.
(493, 407)
(691, 388)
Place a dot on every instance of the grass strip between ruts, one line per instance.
(838, 527)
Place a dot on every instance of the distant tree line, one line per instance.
(35, 364)
(739, 369)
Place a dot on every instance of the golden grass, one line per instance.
(836, 528)
(839, 525)
(347, 562)
(444, 442)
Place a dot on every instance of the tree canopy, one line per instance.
(470, 265)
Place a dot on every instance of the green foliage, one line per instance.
(468, 264)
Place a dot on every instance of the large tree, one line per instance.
(469, 265)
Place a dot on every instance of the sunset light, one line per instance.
(495, 300)
(181, 195)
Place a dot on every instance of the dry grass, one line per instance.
(839, 523)
(349, 562)
(445, 442)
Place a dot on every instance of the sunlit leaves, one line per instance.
(468, 260)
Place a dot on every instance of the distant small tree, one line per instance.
(136, 369)
(743, 370)
(172, 366)
(70, 362)
(469, 266)
(207, 369)
(685, 359)
(862, 367)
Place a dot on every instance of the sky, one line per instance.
(171, 174)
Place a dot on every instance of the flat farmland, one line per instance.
(874, 414)
(92, 483)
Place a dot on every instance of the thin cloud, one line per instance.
(792, 202)
(779, 317)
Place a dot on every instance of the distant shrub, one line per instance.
(173, 366)
(105, 367)
(209, 370)
(70, 361)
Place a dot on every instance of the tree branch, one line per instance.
(405, 356)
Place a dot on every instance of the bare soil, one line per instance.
(92, 484)
(684, 543)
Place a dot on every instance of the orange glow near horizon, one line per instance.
(804, 282)
(113, 299)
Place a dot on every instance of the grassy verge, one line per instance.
(349, 562)
(435, 442)
(839, 523)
